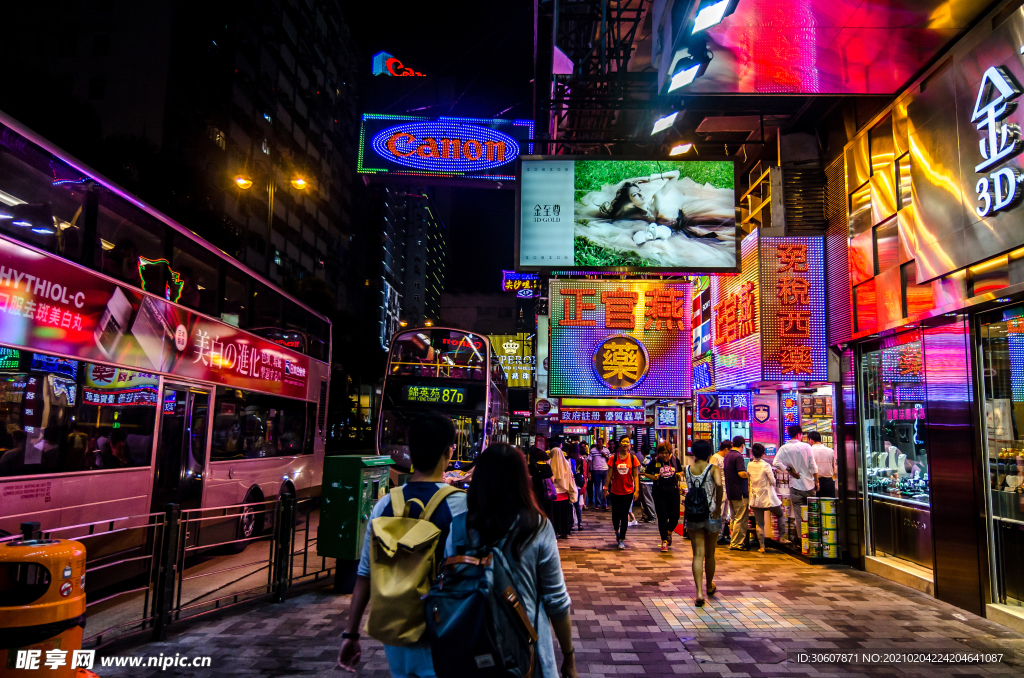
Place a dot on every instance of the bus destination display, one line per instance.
(434, 395)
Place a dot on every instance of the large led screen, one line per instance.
(613, 214)
(619, 339)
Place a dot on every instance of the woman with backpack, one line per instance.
(703, 516)
(503, 512)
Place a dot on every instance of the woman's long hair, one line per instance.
(501, 500)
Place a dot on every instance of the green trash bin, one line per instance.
(351, 487)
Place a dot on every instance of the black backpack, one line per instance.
(476, 623)
(695, 504)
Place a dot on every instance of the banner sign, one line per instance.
(442, 147)
(723, 406)
(50, 305)
(602, 415)
(515, 353)
(620, 338)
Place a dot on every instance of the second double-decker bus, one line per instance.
(139, 365)
(445, 370)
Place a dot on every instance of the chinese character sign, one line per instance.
(735, 322)
(601, 416)
(793, 309)
(50, 305)
(520, 282)
(723, 406)
(620, 338)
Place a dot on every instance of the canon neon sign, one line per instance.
(445, 146)
(386, 64)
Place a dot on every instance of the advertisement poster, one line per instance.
(616, 214)
(48, 304)
(620, 339)
(515, 353)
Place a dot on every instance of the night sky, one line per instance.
(478, 59)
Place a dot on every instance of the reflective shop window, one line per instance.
(42, 200)
(249, 425)
(1002, 349)
(59, 415)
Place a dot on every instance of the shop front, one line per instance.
(933, 367)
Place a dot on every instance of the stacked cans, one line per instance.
(829, 528)
(810, 528)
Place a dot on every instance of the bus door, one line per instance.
(182, 448)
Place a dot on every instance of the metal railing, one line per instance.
(173, 585)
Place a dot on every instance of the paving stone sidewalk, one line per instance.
(633, 614)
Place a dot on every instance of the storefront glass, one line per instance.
(894, 454)
(1002, 353)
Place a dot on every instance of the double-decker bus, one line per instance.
(444, 370)
(140, 365)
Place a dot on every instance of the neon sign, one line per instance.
(1002, 142)
(441, 145)
(386, 64)
(731, 406)
(173, 284)
(794, 345)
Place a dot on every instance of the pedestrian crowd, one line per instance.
(441, 565)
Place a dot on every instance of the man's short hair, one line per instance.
(739, 441)
(724, 445)
(430, 436)
(814, 437)
(794, 430)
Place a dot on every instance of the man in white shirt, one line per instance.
(599, 472)
(796, 458)
(825, 460)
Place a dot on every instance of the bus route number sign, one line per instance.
(435, 395)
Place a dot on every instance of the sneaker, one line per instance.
(622, 544)
(670, 539)
(664, 547)
(632, 523)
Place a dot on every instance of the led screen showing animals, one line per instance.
(602, 214)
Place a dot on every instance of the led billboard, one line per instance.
(471, 148)
(620, 339)
(614, 214)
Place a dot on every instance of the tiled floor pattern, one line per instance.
(633, 615)
(743, 613)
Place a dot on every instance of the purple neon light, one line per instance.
(437, 131)
(772, 344)
(737, 363)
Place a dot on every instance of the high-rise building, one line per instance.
(237, 119)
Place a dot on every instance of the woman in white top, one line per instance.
(762, 491)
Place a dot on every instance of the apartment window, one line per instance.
(216, 136)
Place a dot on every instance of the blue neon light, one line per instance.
(445, 146)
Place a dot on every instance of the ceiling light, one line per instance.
(712, 14)
(679, 149)
(684, 77)
(662, 124)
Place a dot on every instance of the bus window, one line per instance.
(198, 269)
(251, 425)
(59, 415)
(124, 233)
(266, 306)
(235, 297)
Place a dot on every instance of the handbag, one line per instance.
(550, 493)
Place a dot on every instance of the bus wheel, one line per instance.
(250, 521)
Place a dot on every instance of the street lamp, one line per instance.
(243, 181)
(299, 183)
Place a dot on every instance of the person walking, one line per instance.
(825, 460)
(738, 491)
(566, 493)
(623, 486)
(599, 468)
(502, 508)
(705, 479)
(578, 464)
(763, 498)
(796, 458)
(664, 472)
(431, 443)
(718, 459)
(541, 474)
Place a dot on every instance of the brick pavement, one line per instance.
(633, 614)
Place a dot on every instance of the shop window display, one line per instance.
(895, 449)
(1002, 348)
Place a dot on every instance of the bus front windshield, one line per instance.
(442, 354)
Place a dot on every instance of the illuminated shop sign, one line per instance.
(666, 417)
(703, 374)
(790, 412)
(620, 338)
(723, 406)
(736, 340)
(442, 147)
(520, 283)
(603, 415)
(386, 64)
(515, 353)
(700, 320)
(1000, 142)
(794, 344)
(10, 358)
(48, 304)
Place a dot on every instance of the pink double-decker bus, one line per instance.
(139, 365)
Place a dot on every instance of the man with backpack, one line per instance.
(403, 547)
